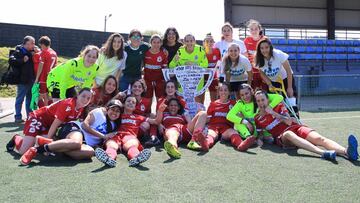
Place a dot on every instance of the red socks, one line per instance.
(18, 141)
(111, 152)
(235, 140)
(132, 152)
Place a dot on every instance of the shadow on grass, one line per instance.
(141, 168)
(170, 160)
(15, 126)
(59, 160)
(356, 163)
(103, 168)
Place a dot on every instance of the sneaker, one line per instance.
(10, 146)
(101, 155)
(172, 150)
(247, 143)
(193, 145)
(329, 155)
(141, 158)
(201, 138)
(19, 120)
(28, 156)
(352, 151)
(40, 140)
(154, 140)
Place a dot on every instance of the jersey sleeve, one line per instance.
(281, 109)
(203, 59)
(242, 46)
(247, 64)
(65, 78)
(282, 56)
(62, 110)
(275, 99)
(122, 61)
(232, 115)
(165, 61)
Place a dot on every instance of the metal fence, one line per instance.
(328, 92)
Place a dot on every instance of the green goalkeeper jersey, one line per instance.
(72, 73)
(248, 109)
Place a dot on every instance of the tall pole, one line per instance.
(105, 20)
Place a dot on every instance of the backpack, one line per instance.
(12, 75)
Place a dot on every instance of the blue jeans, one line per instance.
(125, 81)
(23, 90)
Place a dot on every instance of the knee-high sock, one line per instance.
(18, 141)
(133, 152)
(111, 152)
(210, 141)
(235, 140)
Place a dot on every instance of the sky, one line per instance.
(197, 17)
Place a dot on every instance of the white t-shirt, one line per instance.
(108, 66)
(239, 72)
(224, 45)
(276, 68)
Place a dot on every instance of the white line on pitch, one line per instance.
(330, 118)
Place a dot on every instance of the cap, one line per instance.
(114, 103)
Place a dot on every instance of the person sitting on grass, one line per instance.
(179, 128)
(46, 120)
(219, 125)
(78, 140)
(127, 137)
(288, 133)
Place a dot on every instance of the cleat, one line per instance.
(352, 151)
(247, 143)
(201, 138)
(172, 150)
(10, 146)
(193, 145)
(141, 158)
(101, 155)
(28, 156)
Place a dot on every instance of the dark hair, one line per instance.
(181, 108)
(83, 90)
(28, 38)
(102, 87)
(109, 50)
(171, 81)
(143, 85)
(247, 86)
(227, 59)
(109, 127)
(259, 57)
(45, 40)
(177, 36)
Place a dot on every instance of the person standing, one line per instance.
(21, 59)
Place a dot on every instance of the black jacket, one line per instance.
(26, 69)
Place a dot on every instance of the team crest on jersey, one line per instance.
(230, 106)
(140, 52)
(196, 57)
(142, 107)
(89, 73)
(68, 108)
(214, 58)
(159, 59)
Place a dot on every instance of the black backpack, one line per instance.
(12, 75)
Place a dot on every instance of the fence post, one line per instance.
(298, 90)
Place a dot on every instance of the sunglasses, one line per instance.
(136, 37)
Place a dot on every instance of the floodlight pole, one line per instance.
(105, 20)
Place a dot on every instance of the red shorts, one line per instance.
(122, 138)
(257, 81)
(214, 84)
(34, 126)
(219, 128)
(43, 88)
(184, 133)
(299, 130)
(158, 86)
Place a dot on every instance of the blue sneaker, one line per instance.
(329, 155)
(352, 151)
